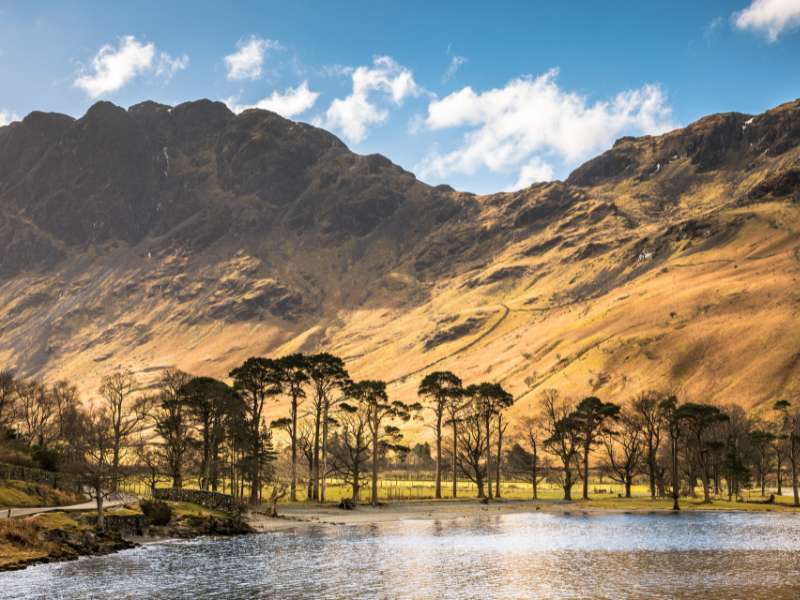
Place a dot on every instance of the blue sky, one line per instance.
(484, 96)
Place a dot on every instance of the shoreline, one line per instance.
(306, 515)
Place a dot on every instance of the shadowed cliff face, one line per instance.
(189, 236)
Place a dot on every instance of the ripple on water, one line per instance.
(695, 555)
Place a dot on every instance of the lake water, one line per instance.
(538, 555)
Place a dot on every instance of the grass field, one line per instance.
(603, 495)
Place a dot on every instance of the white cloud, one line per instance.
(514, 127)
(167, 66)
(535, 171)
(374, 86)
(248, 61)
(290, 102)
(112, 68)
(455, 64)
(6, 117)
(770, 17)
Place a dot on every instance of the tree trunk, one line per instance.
(325, 406)
(651, 467)
(101, 518)
(794, 474)
(488, 419)
(293, 484)
(586, 446)
(315, 467)
(499, 459)
(534, 478)
(438, 489)
(567, 483)
(675, 483)
(780, 476)
(374, 499)
(706, 487)
(628, 480)
(455, 461)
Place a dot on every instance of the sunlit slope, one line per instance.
(668, 262)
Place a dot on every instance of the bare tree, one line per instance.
(646, 408)
(349, 448)
(562, 436)
(790, 427)
(96, 440)
(171, 422)
(36, 413)
(530, 433)
(127, 412)
(8, 398)
(471, 447)
(624, 447)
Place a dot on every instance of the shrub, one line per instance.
(156, 512)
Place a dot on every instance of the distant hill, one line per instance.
(192, 237)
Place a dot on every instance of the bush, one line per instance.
(156, 512)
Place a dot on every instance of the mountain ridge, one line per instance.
(189, 236)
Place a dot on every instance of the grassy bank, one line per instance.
(60, 535)
(20, 494)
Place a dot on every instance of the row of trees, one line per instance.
(674, 445)
(344, 429)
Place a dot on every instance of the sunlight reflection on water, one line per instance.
(540, 555)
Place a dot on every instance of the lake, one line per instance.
(528, 555)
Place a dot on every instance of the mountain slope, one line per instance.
(192, 237)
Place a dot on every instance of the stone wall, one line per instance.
(213, 500)
(51, 478)
(126, 525)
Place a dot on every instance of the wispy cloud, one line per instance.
(455, 65)
(769, 17)
(114, 67)
(248, 60)
(289, 103)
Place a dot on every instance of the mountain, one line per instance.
(188, 236)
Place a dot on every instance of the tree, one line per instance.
(96, 443)
(372, 396)
(327, 373)
(646, 408)
(8, 398)
(36, 413)
(490, 400)
(256, 380)
(65, 398)
(295, 377)
(790, 427)
(624, 450)
(530, 431)
(171, 422)
(439, 389)
(697, 420)
(150, 462)
(562, 436)
(591, 416)
(127, 414)
(762, 443)
(209, 401)
(471, 447)
(668, 408)
(351, 444)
